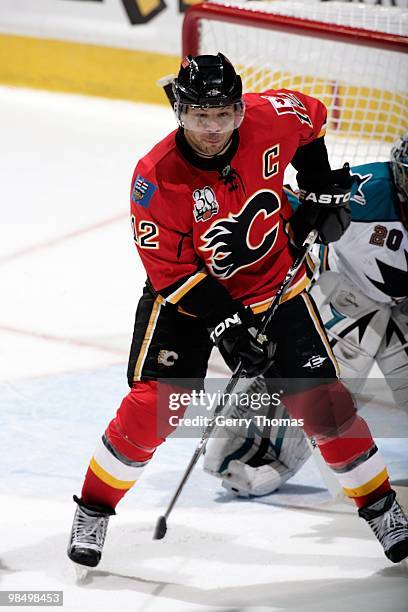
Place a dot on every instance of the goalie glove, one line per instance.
(325, 206)
(238, 341)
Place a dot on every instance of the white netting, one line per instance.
(364, 88)
(367, 17)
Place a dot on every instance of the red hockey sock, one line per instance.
(127, 445)
(357, 463)
(344, 439)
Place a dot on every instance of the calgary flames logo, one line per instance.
(243, 239)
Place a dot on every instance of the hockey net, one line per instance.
(351, 56)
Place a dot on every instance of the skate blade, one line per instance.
(81, 572)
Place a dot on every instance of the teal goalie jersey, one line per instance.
(373, 252)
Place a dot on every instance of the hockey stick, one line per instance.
(161, 525)
(166, 83)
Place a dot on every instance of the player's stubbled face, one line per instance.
(209, 130)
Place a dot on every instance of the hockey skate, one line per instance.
(389, 524)
(88, 533)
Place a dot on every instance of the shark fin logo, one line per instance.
(394, 281)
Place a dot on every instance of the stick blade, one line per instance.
(160, 529)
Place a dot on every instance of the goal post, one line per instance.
(351, 56)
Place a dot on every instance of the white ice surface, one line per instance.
(70, 279)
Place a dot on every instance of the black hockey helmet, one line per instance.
(207, 81)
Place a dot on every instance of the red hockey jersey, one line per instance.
(189, 222)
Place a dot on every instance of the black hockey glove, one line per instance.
(325, 206)
(237, 340)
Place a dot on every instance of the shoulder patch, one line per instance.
(285, 102)
(142, 191)
(373, 196)
(358, 192)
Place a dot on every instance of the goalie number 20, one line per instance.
(145, 233)
(391, 238)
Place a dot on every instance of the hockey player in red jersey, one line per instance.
(216, 235)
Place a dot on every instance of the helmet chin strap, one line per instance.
(220, 162)
(208, 162)
(207, 155)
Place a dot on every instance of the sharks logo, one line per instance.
(394, 280)
(242, 239)
(359, 180)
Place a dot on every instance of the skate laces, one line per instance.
(89, 529)
(390, 527)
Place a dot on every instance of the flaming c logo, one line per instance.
(233, 241)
